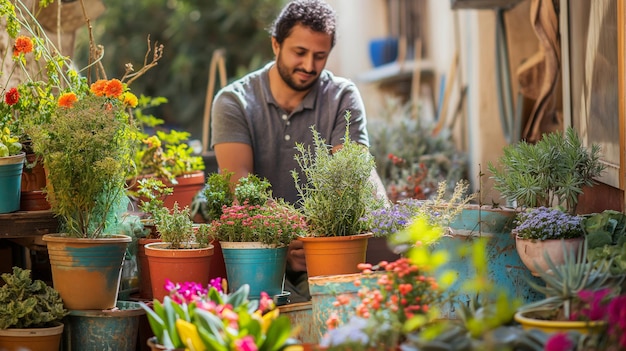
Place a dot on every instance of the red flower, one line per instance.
(23, 45)
(12, 97)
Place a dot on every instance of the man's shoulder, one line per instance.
(249, 82)
(332, 81)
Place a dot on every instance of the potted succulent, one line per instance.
(569, 290)
(11, 165)
(204, 317)
(166, 155)
(31, 313)
(335, 193)
(254, 235)
(184, 251)
(552, 172)
(541, 232)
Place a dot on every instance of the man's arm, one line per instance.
(236, 158)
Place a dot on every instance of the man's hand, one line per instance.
(295, 256)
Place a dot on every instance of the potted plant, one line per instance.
(184, 251)
(549, 173)
(566, 288)
(254, 235)
(166, 155)
(204, 317)
(606, 240)
(31, 313)
(152, 193)
(11, 165)
(541, 232)
(336, 192)
(86, 147)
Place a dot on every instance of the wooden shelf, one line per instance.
(27, 224)
(483, 4)
(395, 71)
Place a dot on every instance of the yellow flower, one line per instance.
(266, 319)
(130, 99)
(189, 335)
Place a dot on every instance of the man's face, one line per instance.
(302, 57)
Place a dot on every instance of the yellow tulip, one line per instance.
(189, 335)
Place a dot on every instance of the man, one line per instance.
(257, 120)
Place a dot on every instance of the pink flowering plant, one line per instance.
(602, 305)
(257, 217)
(199, 318)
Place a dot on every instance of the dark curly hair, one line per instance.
(315, 14)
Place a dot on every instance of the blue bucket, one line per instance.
(97, 330)
(504, 266)
(11, 182)
(260, 266)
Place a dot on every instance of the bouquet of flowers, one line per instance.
(199, 318)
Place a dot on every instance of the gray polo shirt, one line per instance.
(246, 112)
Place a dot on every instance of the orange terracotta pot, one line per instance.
(177, 265)
(334, 255)
(87, 272)
(187, 187)
(33, 182)
(33, 339)
(145, 283)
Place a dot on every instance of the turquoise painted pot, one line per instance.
(11, 182)
(87, 272)
(504, 266)
(260, 266)
(103, 330)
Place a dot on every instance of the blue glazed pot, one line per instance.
(11, 182)
(383, 50)
(260, 266)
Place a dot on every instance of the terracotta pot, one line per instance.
(334, 255)
(87, 272)
(531, 252)
(218, 266)
(33, 174)
(177, 265)
(33, 339)
(33, 182)
(187, 187)
(583, 327)
(145, 283)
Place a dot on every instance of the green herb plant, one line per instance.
(336, 191)
(550, 173)
(176, 227)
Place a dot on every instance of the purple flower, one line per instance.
(543, 223)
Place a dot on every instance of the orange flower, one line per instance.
(98, 87)
(67, 100)
(12, 97)
(23, 45)
(114, 88)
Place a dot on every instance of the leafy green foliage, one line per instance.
(175, 226)
(550, 173)
(25, 303)
(606, 239)
(337, 191)
(217, 193)
(152, 193)
(254, 190)
(191, 31)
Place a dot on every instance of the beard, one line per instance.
(287, 77)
